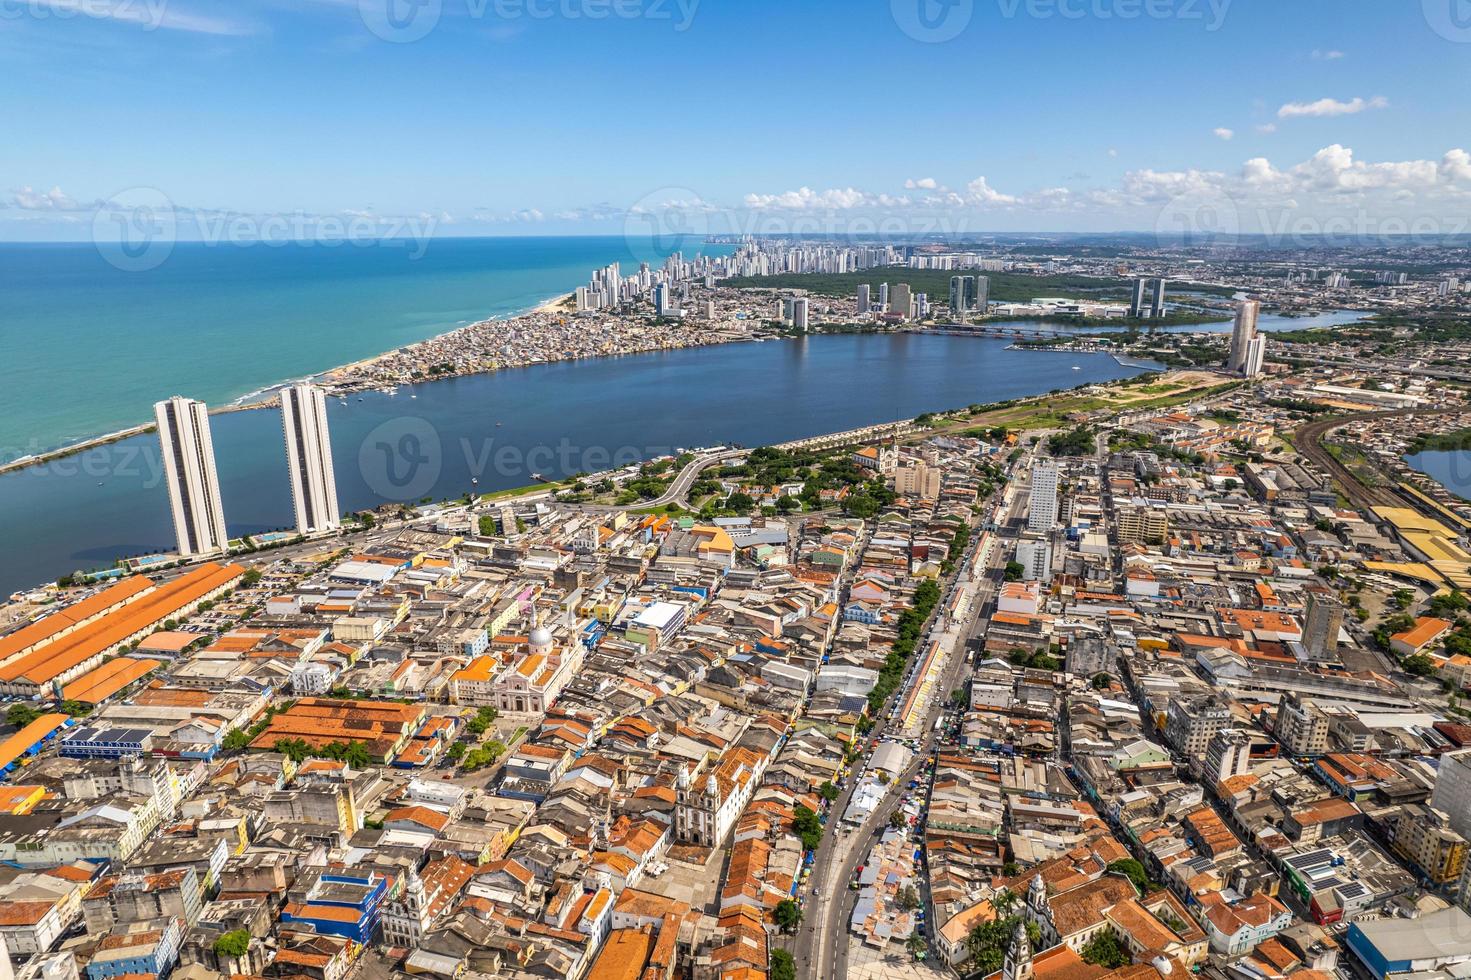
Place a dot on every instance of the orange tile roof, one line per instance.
(79, 646)
(1426, 630)
(98, 685)
(45, 629)
(21, 742)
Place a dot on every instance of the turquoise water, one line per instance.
(432, 440)
(1451, 470)
(88, 347)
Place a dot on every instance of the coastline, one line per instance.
(268, 397)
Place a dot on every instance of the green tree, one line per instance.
(1134, 871)
(783, 967)
(916, 945)
(1014, 571)
(294, 749)
(235, 740)
(908, 898)
(1106, 951)
(233, 944)
(807, 827)
(357, 756)
(252, 576)
(828, 791)
(1418, 664)
(21, 714)
(787, 915)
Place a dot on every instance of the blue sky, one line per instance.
(549, 116)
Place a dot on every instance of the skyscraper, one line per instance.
(958, 298)
(983, 294)
(309, 459)
(901, 301)
(1242, 334)
(661, 299)
(189, 468)
(799, 313)
(1324, 622)
(864, 302)
(1136, 305)
(884, 295)
(1256, 357)
(1157, 306)
(1042, 512)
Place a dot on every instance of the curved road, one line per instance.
(1309, 442)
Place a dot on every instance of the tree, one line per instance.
(897, 820)
(1003, 901)
(1134, 871)
(908, 898)
(487, 526)
(807, 827)
(740, 502)
(233, 944)
(1014, 571)
(357, 756)
(21, 714)
(1101, 682)
(787, 505)
(457, 751)
(787, 915)
(783, 967)
(294, 749)
(1419, 664)
(235, 740)
(916, 945)
(1105, 950)
(828, 791)
(252, 576)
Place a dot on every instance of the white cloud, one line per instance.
(983, 193)
(28, 199)
(1112, 152)
(148, 14)
(1267, 128)
(1222, 132)
(1330, 55)
(530, 215)
(806, 199)
(1330, 107)
(923, 184)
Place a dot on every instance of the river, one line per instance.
(431, 440)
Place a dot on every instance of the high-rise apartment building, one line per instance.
(1243, 332)
(189, 469)
(1042, 510)
(1324, 623)
(309, 459)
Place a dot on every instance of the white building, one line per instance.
(1042, 510)
(1243, 332)
(189, 468)
(1453, 790)
(1034, 554)
(309, 459)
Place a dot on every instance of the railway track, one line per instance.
(1309, 442)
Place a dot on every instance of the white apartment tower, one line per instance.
(189, 468)
(1243, 332)
(309, 459)
(1042, 512)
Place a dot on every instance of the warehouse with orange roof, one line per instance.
(43, 671)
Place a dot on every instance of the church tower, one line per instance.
(1018, 963)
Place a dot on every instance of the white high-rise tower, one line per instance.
(194, 484)
(1042, 510)
(309, 459)
(1243, 332)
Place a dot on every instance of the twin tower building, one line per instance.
(194, 481)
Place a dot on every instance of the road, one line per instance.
(822, 951)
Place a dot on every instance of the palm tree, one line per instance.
(916, 944)
(1003, 901)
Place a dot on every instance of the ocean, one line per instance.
(88, 347)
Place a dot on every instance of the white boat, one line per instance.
(1076, 368)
